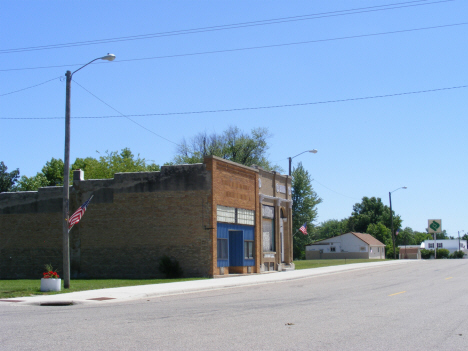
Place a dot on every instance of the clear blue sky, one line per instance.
(365, 147)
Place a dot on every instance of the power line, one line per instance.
(251, 108)
(123, 115)
(257, 47)
(385, 7)
(350, 197)
(33, 86)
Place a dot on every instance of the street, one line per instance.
(414, 306)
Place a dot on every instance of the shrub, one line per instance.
(457, 254)
(443, 253)
(426, 254)
(170, 267)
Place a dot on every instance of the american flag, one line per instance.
(76, 217)
(303, 229)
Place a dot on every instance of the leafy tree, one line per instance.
(380, 232)
(233, 145)
(7, 179)
(405, 237)
(305, 200)
(371, 211)
(31, 183)
(442, 236)
(53, 171)
(419, 237)
(113, 162)
(330, 228)
(104, 167)
(383, 234)
(51, 175)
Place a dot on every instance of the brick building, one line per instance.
(211, 217)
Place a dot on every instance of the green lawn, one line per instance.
(30, 287)
(304, 264)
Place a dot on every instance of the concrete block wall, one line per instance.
(131, 222)
(30, 232)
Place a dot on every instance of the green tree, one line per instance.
(31, 183)
(7, 179)
(442, 236)
(380, 232)
(383, 234)
(330, 228)
(113, 162)
(53, 171)
(51, 175)
(371, 211)
(405, 237)
(419, 237)
(305, 201)
(233, 145)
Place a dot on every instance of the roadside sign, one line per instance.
(434, 225)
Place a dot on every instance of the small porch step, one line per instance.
(288, 267)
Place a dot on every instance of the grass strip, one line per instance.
(31, 287)
(306, 264)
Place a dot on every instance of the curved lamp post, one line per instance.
(66, 173)
(391, 216)
(314, 151)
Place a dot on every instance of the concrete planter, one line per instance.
(51, 284)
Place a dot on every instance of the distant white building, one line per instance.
(349, 245)
(452, 245)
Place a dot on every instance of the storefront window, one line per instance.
(248, 249)
(268, 235)
(245, 217)
(235, 215)
(222, 249)
(226, 214)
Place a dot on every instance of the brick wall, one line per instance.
(234, 185)
(131, 222)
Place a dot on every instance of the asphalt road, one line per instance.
(421, 306)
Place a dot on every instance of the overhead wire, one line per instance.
(384, 7)
(32, 86)
(249, 108)
(255, 47)
(336, 192)
(123, 115)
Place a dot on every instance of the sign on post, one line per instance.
(434, 226)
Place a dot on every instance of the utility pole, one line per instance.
(66, 174)
(66, 187)
(391, 216)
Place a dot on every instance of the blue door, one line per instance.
(236, 248)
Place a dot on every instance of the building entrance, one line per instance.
(236, 248)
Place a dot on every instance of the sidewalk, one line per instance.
(157, 290)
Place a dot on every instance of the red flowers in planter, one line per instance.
(50, 273)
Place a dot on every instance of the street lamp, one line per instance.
(314, 151)
(66, 173)
(391, 216)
